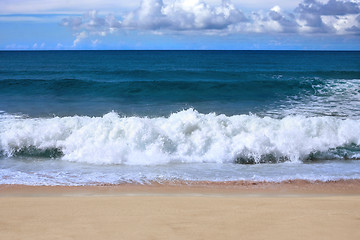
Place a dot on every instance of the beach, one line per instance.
(233, 210)
(180, 119)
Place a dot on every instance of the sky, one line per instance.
(180, 24)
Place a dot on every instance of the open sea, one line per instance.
(112, 117)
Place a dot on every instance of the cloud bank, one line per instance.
(196, 16)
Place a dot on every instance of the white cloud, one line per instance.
(79, 36)
(37, 46)
(80, 6)
(59, 46)
(95, 42)
(276, 8)
(327, 17)
(90, 24)
(64, 6)
(182, 15)
(221, 17)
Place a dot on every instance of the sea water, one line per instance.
(93, 117)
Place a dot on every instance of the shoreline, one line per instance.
(297, 187)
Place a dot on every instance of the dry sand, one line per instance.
(236, 210)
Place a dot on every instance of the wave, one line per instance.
(329, 98)
(183, 137)
(154, 91)
(176, 73)
(271, 87)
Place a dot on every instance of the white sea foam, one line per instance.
(333, 97)
(183, 137)
(55, 172)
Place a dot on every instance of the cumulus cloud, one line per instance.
(183, 15)
(287, 21)
(90, 24)
(79, 36)
(333, 16)
(332, 7)
(158, 16)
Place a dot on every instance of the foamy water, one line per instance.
(183, 137)
(184, 146)
(333, 97)
(38, 171)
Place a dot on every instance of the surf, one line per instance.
(182, 137)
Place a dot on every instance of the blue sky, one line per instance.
(180, 24)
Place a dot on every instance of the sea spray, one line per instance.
(183, 137)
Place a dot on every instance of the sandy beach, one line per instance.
(230, 210)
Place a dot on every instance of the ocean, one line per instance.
(113, 117)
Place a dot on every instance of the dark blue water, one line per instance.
(155, 83)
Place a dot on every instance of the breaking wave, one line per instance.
(183, 137)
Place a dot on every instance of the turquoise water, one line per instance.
(85, 117)
(137, 82)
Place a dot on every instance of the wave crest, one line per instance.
(183, 137)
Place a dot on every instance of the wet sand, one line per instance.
(201, 210)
